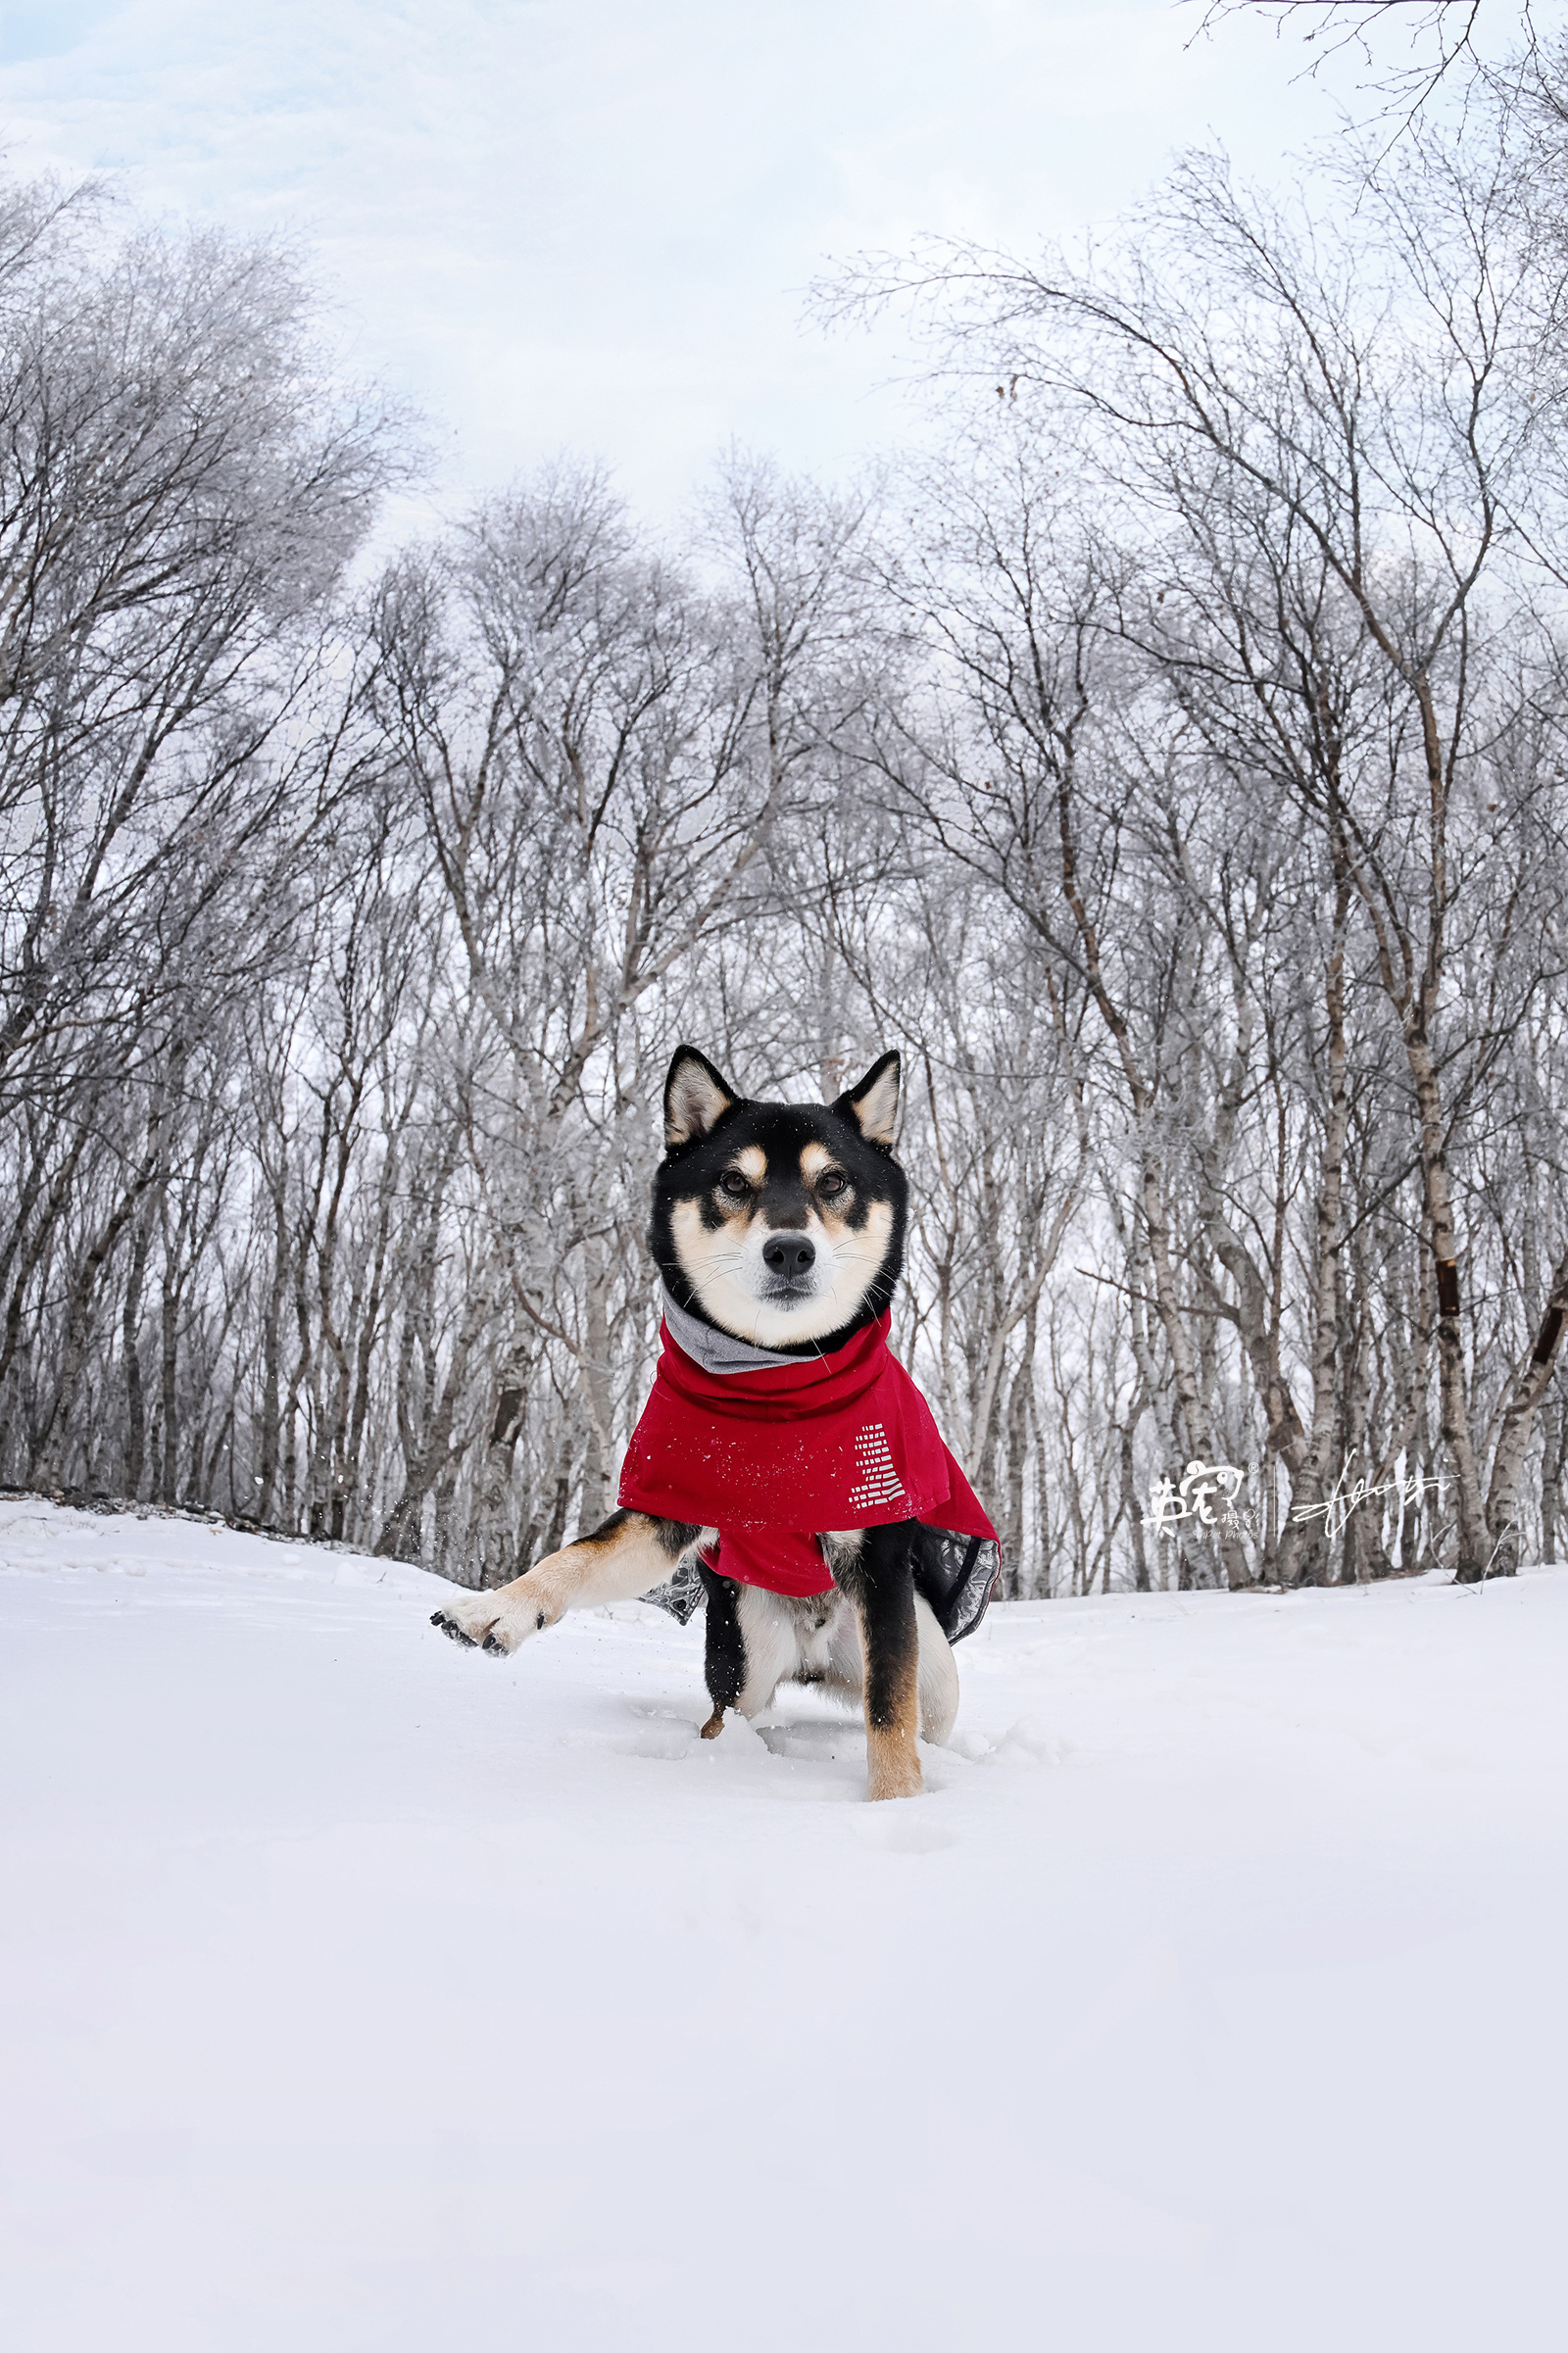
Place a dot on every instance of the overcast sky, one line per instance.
(588, 224)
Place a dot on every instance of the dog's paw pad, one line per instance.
(495, 1648)
(450, 1626)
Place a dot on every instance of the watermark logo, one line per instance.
(1206, 1493)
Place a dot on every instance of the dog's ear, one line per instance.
(695, 1096)
(874, 1105)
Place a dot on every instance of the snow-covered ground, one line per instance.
(364, 1993)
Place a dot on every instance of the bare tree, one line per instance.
(1379, 407)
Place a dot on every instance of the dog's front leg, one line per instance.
(879, 1579)
(627, 1555)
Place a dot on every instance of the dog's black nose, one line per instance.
(788, 1254)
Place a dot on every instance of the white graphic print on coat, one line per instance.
(878, 1481)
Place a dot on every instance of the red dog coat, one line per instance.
(771, 1456)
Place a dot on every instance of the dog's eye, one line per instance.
(734, 1184)
(831, 1184)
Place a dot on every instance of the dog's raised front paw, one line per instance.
(512, 1626)
(468, 1618)
(496, 1622)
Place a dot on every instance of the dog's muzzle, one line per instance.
(789, 1258)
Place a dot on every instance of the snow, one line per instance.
(364, 1993)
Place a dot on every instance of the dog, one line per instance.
(784, 1456)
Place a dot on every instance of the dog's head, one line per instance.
(780, 1223)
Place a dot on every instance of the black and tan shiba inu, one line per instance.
(784, 1455)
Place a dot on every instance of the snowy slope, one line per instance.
(364, 1993)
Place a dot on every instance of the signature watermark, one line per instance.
(1347, 1496)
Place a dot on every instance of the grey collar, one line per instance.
(714, 1351)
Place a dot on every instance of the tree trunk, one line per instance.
(1195, 1423)
(1303, 1546)
(1530, 1381)
(1441, 1233)
(131, 1331)
(49, 1453)
(1017, 1427)
(169, 1368)
(597, 1389)
(436, 1456)
(497, 1561)
(1553, 1433)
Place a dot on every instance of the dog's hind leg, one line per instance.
(770, 1643)
(880, 1582)
(938, 1677)
(937, 1680)
(724, 1652)
(628, 1554)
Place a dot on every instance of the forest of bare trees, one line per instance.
(1170, 762)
